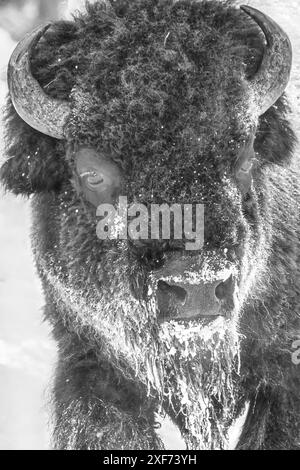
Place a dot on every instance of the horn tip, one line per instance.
(244, 7)
(248, 10)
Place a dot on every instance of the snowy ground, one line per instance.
(26, 350)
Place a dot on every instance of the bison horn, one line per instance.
(273, 75)
(34, 106)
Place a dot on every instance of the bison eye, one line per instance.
(247, 166)
(98, 176)
(243, 175)
(244, 165)
(93, 179)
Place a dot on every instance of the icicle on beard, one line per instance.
(200, 369)
(193, 370)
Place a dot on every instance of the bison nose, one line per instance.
(225, 291)
(186, 301)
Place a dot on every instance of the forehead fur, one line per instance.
(153, 81)
(151, 71)
(158, 84)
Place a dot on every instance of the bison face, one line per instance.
(163, 111)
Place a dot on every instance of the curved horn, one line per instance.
(273, 75)
(34, 106)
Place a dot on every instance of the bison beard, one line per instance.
(201, 375)
(164, 90)
(191, 370)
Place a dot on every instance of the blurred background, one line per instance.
(27, 353)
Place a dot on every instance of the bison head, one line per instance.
(163, 103)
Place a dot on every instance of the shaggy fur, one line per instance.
(162, 88)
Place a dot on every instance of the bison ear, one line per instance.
(34, 162)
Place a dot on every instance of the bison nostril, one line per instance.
(170, 300)
(225, 290)
(178, 293)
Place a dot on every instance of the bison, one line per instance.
(163, 102)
